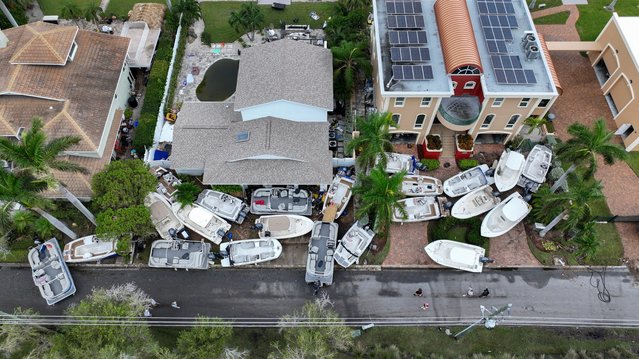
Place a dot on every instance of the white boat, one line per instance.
(456, 255)
(475, 203)
(467, 181)
(397, 162)
(50, 273)
(178, 254)
(418, 209)
(283, 226)
(319, 263)
(88, 249)
(415, 185)
(250, 251)
(537, 164)
(505, 216)
(508, 170)
(353, 244)
(162, 216)
(166, 182)
(281, 200)
(339, 193)
(202, 221)
(224, 205)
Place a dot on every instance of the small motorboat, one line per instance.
(339, 193)
(509, 168)
(415, 185)
(50, 273)
(475, 203)
(277, 200)
(283, 226)
(467, 181)
(319, 263)
(88, 249)
(202, 221)
(397, 162)
(353, 244)
(456, 255)
(162, 217)
(224, 205)
(418, 209)
(505, 216)
(250, 251)
(166, 182)
(537, 164)
(179, 254)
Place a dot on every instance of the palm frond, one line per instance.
(67, 166)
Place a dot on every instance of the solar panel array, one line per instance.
(498, 19)
(408, 41)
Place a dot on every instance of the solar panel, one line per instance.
(508, 70)
(407, 37)
(403, 7)
(412, 72)
(405, 21)
(410, 54)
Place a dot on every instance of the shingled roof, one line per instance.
(43, 44)
(285, 70)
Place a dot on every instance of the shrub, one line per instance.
(433, 142)
(465, 142)
(128, 113)
(514, 142)
(475, 238)
(549, 246)
(467, 163)
(227, 188)
(431, 164)
(205, 38)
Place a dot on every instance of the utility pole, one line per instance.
(611, 7)
(488, 318)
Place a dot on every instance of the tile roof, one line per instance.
(285, 70)
(44, 44)
(152, 14)
(456, 35)
(277, 151)
(551, 65)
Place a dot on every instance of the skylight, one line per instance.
(242, 136)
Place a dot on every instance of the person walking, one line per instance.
(425, 306)
(484, 293)
(147, 313)
(174, 305)
(154, 303)
(469, 292)
(418, 293)
(316, 287)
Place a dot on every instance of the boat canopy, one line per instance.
(514, 161)
(200, 216)
(462, 255)
(515, 209)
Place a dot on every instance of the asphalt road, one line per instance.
(554, 297)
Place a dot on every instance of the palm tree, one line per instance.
(248, 19)
(373, 139)
(586, 239)
(584, 146)
(574, 206)
(378, 195)
(535, 122)
(190, 10)
(93, 12)
(346, 6)
(186, 193)
(350, 61)
(70, 11)
(37, 156)
(8, 14)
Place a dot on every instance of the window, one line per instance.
(498, 101)
(487, 121)
(395, 119)
(454, 85)
(242, 136)
(469, 85)
(399, 101)
(74, 49)
(513, 120)
(466, 70)
(524, 102)
(544, 102)
(426, 101)
(419, 121)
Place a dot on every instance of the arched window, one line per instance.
(466, 70)
(419, 121)
(469, 85)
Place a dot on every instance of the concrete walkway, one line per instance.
(511, 249)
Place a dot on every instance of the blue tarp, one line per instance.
(160, 155)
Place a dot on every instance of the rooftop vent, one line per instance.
(529, 39)
(532, 52)
(4, 41)
(242, 136)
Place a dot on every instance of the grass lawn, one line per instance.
(52, 7)
(559, 18)
(593, 17)
(378, 257)
(19, 250)
(549, 4)
(633, 162)
(122, 7)
(216, 16)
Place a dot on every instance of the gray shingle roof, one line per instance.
(285, 70)
(277, 152)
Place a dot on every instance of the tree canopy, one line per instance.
(379, 194)
(116, 223)
(374, 138)
(203, 342)
(122, 184)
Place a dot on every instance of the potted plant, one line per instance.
(432, 147)
(464, 146)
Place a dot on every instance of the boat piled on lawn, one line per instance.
(415, 185)
(250, 251)
(282, 226)
(162, 215)
(397, 162)
(505, 216)
(319, 263)
(353, 244)
(338, 194)
(281, 200)
(418, 209)
(511, 164)
(223, 205)
(179, 254)
(50, 273)
(456, 255)
(88, 249)
(475, 203)
(467, 181)
(202, 221)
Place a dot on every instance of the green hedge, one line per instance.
(431, 163)
(467, 164)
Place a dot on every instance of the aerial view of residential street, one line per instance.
(319, 179)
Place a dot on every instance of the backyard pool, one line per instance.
(219, 81)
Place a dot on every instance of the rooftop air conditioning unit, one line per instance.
(532, 52)
(529, 39)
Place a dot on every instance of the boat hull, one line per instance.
(282, 226)
(50, 273)
(281, 201)
(419, 209)
(499, 220)
(475, 203)
(178, 254)
(467, 181)
(223, 205)
(213, 230)
(162, 215)
(509, 168)
(353, 245)
(250, 251)
(456, 255)
(537, 164)
(414, 185)
(339, 193)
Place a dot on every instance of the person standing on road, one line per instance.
(418, 292)
(425, 306)
(174, 305)
(484, 293)
(469, 292)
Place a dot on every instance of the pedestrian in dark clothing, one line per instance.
(316, 287)
(484, 293)
(418, 292)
